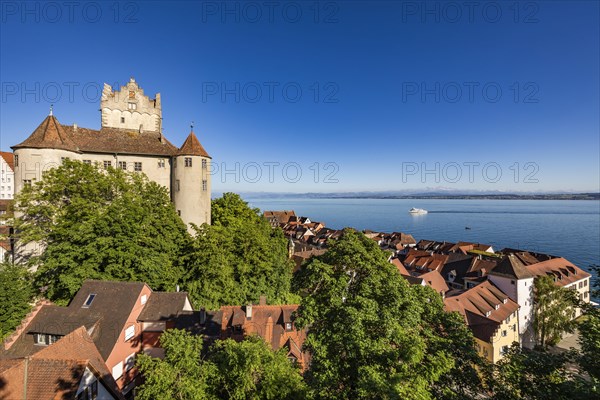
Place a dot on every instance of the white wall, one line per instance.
(7, 180)
(87, 380)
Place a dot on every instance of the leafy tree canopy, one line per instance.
(238, 258)
(100, 224)
(232, 370)
(371, 334)
(554, 310)
(16, 296)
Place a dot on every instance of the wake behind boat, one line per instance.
(417, 211)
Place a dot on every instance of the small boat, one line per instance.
(468, 227)
(417, 211)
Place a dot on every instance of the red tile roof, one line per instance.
(50, 134)
(562, 271)
(192, 147)
(511, 267)
(9, 158)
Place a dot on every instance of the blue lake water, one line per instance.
(570, 229)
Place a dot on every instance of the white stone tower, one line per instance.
(514, 279)
(191, 186)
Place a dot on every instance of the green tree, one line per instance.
(553, 311)
(371, 334)
(589, 339)
(100, 224)
(238, 258)
(16, 296)
(232, 370)
(251, 370)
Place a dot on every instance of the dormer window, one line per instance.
(89, 300)
(497, 306)
(488, 313)
(288, 326)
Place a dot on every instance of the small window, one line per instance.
(88, 162)
(161, 163)
(27, 182)
(504, 350)
(131, 106)
(288, 326)
(88, 301)
(512, 282)
(117, 370)
(137, 166)
(130, 362)
(504, 333)
(177, 185)
(122, 120)
(204, 185)
(123, 165)
(143, 299)
(129, 332)
(188, 161)
(16, 161)
(204, 164)
(179, 212)
(41, 338)
(107, 164)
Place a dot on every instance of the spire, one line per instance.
(51, 108)
(192, 127)
(50, 134)
(192, 146)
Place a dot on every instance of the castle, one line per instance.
(130, 138)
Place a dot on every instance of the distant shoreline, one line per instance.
(507, 196)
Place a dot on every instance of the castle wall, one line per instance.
(130, 108)
(190, 195)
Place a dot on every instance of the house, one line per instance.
(122, 319)
(7, 175)
(514, 279)
(490, 314)
(432, 278)
(70, 368)
(565, 274)
(273, 323)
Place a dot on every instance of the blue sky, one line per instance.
(369, 94)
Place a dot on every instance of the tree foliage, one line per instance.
(238, 258)
(100, 224)
(371, 334)
(554, 310)
(232, 370)
(589, 339)
(16, 296)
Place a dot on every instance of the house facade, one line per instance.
(7, 176)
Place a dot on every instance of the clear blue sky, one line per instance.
(387, 88)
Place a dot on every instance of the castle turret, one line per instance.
(191, 182)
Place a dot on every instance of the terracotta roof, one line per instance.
(281, 217)
(400, 267)
(511, 267)
(435, 280)
(9, 158)
(163, 306)
(55, 372)
(562, 271)
(51, 134)
(192, 147)
(482, 306)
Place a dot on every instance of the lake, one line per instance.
(570, 229)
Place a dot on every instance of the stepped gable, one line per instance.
(192, 147)
(50, 134)
(511, 267)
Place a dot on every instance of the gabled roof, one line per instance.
(561, 270)
(9, 158)
(52, 135)
(192, 147)
(511, 267)
(162, 306)
(55, 372)
(108, 312)
(49, 135)
(435, 280)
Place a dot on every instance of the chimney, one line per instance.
(177, 288)
(202, 316)
(249, 311)
(269, 330)
(75, 127)
(263, 300)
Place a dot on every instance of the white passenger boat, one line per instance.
(417, 211)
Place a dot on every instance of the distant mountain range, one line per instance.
(433, 194)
